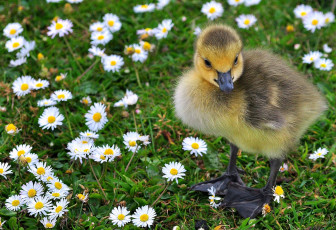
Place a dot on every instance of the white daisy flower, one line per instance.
(112, 22)
(161, 4)
(130, 140)
(61, 95)
(311, 57)
(235, 2)
(4, 169)
(46, 102)
(144, 8)
(326, 48)
(14, 203)
(101, 37)
(74, 1)
(17, 62)
(212, 10)
(40, 169)
(301, 11)
(50, 118)
(12, 30)
(22, 85)
(97, 27)
(144, 139)
(278, 192)
(40, 205)
(79, 150)
(251, 2)
(40, 84)
(83, 197)
(31, 190)
(96, 117)
(283, 167)
(195, 145)
(139, 54)
(98, 156)
(162, 30)
(15, 43)
(48, 223)
(19, 150)
(109, 152)
(147, 32)
(96, 51)
(112, 63)
(313, 21)
(213, 198)
(197, 31)
(60, 77)
(29, 158)
(246, 21)
(59, 209)
(86, 100)
(324, 64)
(319, 153)
(11, 129)
(24, 51)
(147, 46)
(119, 216)
(49, 178)
(57, 185)
(173, 171)
(60, 27)
(89, 134)
(143, 216)
(56, 195)
(329, 18)
(130, 98)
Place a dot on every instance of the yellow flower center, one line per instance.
(39, 205)
(58, 185)
(212, 10)
(164, 30)
(211, 200)
(267, 208)
(84, 142)
(15, 202)
(58, 209)
(146, 46)
(39, 85)
(121, 217)
(303, 13)
(31, 193)
(58, 78)
(102, 157)
(148, 29)
(108, 152)
(61, 96)
(40, 171)
(49, 178)
(55, 194)
(24, 86)
(194, 145)
(86, 150)
(85, 101)
(129, 49)
(10, 127)
(100, 37)
(173, 171)
(315, 22)
(51, 119)
(278, 191)
(247, 22)
(327, 20)
(323, 65)
(96, 117)
(144, 6)
(1, 170)
(113, 63)
(137, 51)
(312, 59)
(49, 225)
(321, 153)
(58, 26)
(81, 196)
(144, 217)
(15, 44)
(100, 29)
(110, 23)
(21, 152)
(40, 56)
(132, 143)
(28, 159)
(12, 31)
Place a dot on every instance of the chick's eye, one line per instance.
(207, 63)
(236, 60)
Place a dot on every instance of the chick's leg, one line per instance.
(250, 201)
(220, 183)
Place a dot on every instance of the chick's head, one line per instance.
(218, 56)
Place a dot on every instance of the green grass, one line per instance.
(309, 186)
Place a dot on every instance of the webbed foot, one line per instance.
(249, 202)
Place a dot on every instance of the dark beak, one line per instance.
(225, 81)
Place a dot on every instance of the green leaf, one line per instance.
(5, 212)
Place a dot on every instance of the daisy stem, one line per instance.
(137, 75)
(68, 121)
(72, 206)
(87, 70)
(135, 124)
(94, 174)
(72, 53)
(131, 159)
(165, 189)
(80, 213)
(4, 143)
